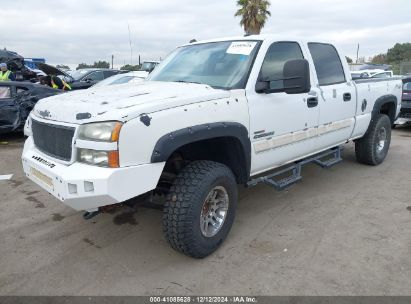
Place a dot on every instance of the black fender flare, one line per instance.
(389, 98)
(172, 141)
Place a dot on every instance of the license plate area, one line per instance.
(43, 178)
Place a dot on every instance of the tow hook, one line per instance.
(89, 214)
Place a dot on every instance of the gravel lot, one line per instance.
(341, 231)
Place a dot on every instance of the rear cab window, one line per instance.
(407, 86)
(327, 63)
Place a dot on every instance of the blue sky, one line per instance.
(76, 31)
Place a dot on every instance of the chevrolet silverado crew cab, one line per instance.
(213, 115)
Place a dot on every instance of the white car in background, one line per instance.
(131, 77)
(377, 73)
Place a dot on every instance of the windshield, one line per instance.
(224, 65)
(78, 74)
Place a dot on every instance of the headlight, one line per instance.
(100, 131)
(27, 127)
(99, 158)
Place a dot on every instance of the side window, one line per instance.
(109, 74)
(21, 90)
(5, 92)
(96, 76)
(277, 55)
(327, 63)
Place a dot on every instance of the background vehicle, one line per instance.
(405, 113)
(149, 66)
(384, 74)
(131, 77)
(15, 63)
(17, 99)
(85, 78)
(361, 74)
(214, 115)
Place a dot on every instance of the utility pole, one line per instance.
(139, 60)
(112, 61)
(358, 50)
(131, 48)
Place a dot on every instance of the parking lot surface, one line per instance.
(341, 231)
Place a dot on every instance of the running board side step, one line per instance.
(325, 159)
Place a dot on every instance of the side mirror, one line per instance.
(88, 80)
(262, 86)
(296, 79)
(296, 74)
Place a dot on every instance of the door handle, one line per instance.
(347, 96)
(312, 102)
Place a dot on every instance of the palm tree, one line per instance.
(254, 14)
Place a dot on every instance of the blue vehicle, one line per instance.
(32, 62)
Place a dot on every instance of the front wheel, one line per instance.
(373, 147)
(200, 208)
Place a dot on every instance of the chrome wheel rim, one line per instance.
(214, 211)
(381, 139)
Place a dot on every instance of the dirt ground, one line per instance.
(341, 231)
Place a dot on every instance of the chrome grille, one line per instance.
(53, 140)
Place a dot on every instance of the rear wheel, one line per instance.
(200, 208)
(373, 147)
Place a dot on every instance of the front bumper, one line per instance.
(85, 187)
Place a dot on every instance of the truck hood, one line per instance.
(123, 102)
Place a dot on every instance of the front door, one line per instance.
(282, 126)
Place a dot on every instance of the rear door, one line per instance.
(9, 112)
(337, 96)
(281, 125)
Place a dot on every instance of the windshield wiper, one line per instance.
(214, 87)
(186, 81)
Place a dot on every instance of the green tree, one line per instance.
(254, 14)
(63, 67)
(101, 65)
(83, 66)
(349, 60)
(129, 67)
(96, 64)
(399, 53)
(379, 59)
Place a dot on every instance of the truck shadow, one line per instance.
(403, 131)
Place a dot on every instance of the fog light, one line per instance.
(72, 188)
(88, 186)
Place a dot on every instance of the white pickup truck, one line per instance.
(213, 115)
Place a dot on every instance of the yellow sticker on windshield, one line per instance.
(241, 47)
